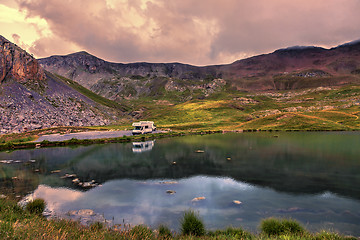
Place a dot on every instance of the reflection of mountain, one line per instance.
(140, 147)
(295, 163)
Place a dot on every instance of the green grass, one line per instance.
(317, 109)
(191, 224)
(36, 206)
(17, 223)
(277, 227)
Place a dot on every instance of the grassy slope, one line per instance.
(337, 108)
(320, 109)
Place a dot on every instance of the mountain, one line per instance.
(32, 98)
(290, 68)
(117, 81)
(298, 67)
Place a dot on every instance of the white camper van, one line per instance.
(143, 127)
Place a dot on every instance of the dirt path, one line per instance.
(85, 135)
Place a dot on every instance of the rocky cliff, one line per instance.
(18, 65)
(31, 98)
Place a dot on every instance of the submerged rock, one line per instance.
(68, 176)
(88, 217)
(76, 180)
(198, 199)
(169, 182)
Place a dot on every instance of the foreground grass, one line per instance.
(17, 223)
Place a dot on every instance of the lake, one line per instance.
(233, 179)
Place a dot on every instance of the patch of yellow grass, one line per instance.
(201, 105)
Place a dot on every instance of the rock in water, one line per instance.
(198, 199)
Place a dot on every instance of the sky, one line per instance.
(197, 32)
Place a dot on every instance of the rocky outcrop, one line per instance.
(31, 98)
(17, 64)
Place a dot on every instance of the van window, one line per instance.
(146, 126)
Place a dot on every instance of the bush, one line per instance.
(272, 226)
(36, 206)
(141, 232)
(164, 232)
(191, 224)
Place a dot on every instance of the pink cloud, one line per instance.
(192, 31)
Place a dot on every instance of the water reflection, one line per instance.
(140, 147)
(313, 177)
(147, 202)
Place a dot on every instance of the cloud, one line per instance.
(190, 31)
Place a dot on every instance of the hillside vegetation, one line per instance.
(296, 88)
(330, 108)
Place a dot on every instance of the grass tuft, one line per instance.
(141, 232)
(164, 232)
(191, 224)
(36, 206)
(273, 226)
(230, 232)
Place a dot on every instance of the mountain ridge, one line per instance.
(283, 69)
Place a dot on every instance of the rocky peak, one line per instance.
(17, 64)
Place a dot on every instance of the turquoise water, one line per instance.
(230, 179)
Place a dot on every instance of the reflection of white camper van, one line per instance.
(139, 147)
(143, 127)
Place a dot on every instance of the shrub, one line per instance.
(191, 224)
(272, 226)
(36, 206)
(164, 232)
(141, 232)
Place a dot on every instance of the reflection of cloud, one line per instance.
(139, 202)
(55, 197)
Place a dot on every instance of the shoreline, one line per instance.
(119, 137)
(133, 138)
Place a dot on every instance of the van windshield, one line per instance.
(137, 128)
